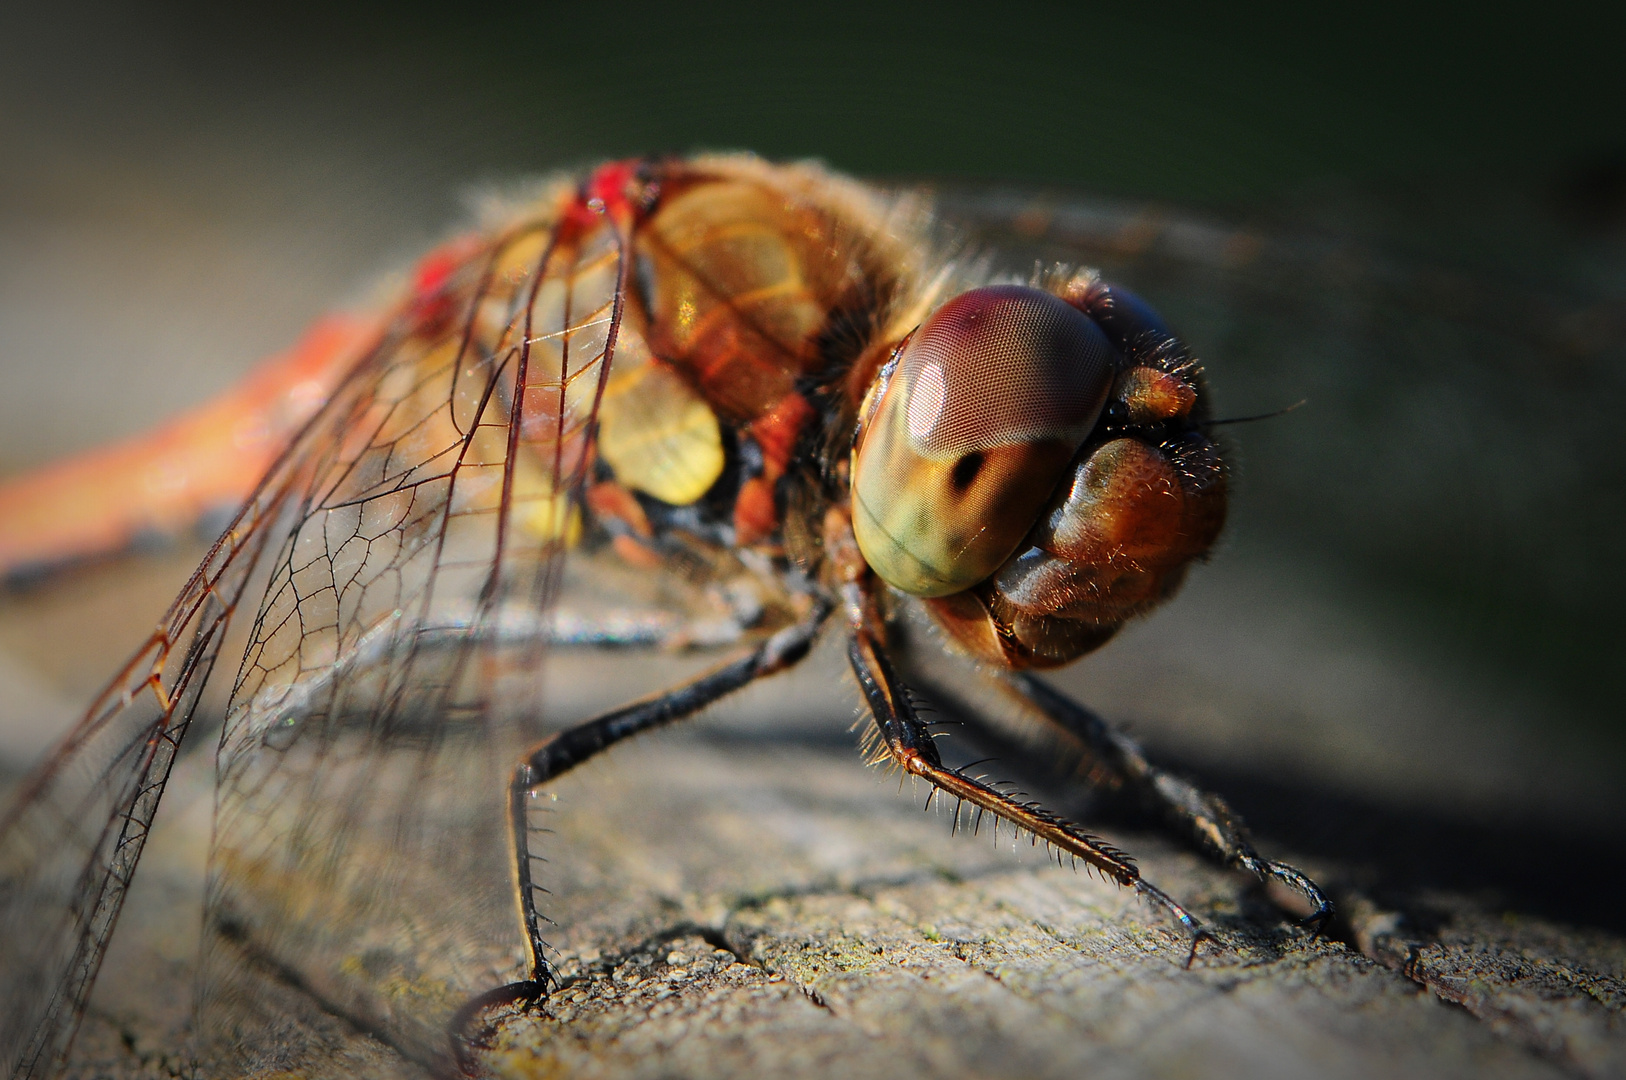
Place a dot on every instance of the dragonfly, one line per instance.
(769, 402)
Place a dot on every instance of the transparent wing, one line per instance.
(376, 610)
(70, 843)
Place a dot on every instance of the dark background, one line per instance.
(1173, 101)
(1423, 562)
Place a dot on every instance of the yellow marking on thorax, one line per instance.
(655, 431)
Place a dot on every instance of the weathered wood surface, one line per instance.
(743, 898)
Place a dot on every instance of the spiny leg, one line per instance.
(1205, 817)
(909, 743)
(564, 751)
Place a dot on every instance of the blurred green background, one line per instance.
(1438, 195)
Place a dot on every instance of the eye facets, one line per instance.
(926, 400)
(990, 400)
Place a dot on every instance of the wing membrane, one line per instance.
(70, 842)
(382, 683)
(360, 840)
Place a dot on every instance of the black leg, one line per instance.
(1204, 817)
(570, 748)
(907, 741)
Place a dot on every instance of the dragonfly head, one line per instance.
(1034, 469)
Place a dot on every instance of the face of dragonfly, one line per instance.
(559, 443)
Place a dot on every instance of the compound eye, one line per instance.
(971, 431)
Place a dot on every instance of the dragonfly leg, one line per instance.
(907, 741)
(564, 751)
(1205, 817)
